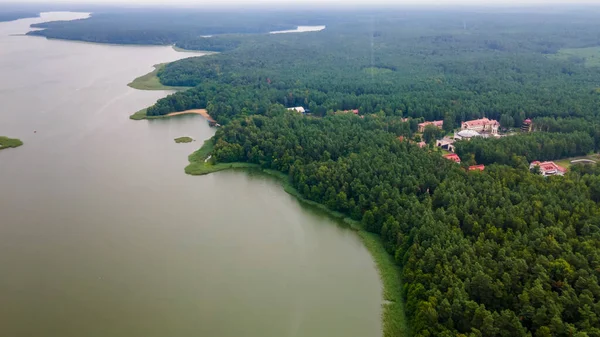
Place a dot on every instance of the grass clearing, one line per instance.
(183, 140)
(377, 71)
(151, 81)
(6, 143)
(566, 163)
(393, 317)
(589, 56)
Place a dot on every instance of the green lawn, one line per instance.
(151, 81)
(566, 163)
(6, 142)
(183, 140)
(590, 56)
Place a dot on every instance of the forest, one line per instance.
(497, 253)
(503, 252)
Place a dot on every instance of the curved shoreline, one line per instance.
(394, 322)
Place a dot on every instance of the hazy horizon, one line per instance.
(287, 3)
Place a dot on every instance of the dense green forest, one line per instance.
(498, 253)
(503, 252)
(420, 66)
(532, 146)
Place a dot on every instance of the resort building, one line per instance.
(453, 156)
(527, 125)
(483, 125)
(548, 168)
(423, 125)
(446, 143)
(477, 168)
(298, 109)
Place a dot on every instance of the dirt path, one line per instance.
(201, 112)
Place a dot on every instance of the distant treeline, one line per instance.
(15, 15)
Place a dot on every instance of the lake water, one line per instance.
(102, 234)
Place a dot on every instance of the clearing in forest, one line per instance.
(589, 56)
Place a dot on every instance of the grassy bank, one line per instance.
(151, 81)
(183, 140)
(393, 318)
(142, 115)
(6, 142)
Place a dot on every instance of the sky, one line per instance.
(335, 2)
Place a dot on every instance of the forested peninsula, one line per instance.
(499, 252)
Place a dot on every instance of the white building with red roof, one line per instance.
(438, 124)
(548, 168)
(482, 125)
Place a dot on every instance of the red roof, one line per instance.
(482, 121)
(439, 124)
(401, 138)
(527, 121)
(422, 144)
(453, 156)
(477, 168)
(549, 166)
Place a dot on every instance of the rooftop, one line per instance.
(468, 134)
(479, 122)
(477, 168)
(452, 156)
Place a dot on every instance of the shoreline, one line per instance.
(393, 317)
(140, 115)
(150, 81)
(394, 321)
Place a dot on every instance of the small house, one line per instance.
(477, 168)
(452, 156)
(298, 109)
(548, 168)
(438, 124)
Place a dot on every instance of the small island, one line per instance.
(183, 140)
(6, 142)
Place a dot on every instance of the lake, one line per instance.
(102, 234)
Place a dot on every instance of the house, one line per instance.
(453, 156)
(477, 168)
(548, 168)
(482, 125)
(298, 109)
(527, 125)
(421, 144)
(438, 124)
(446, 143)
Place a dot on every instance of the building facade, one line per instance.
(438, 124)
(482, 125)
